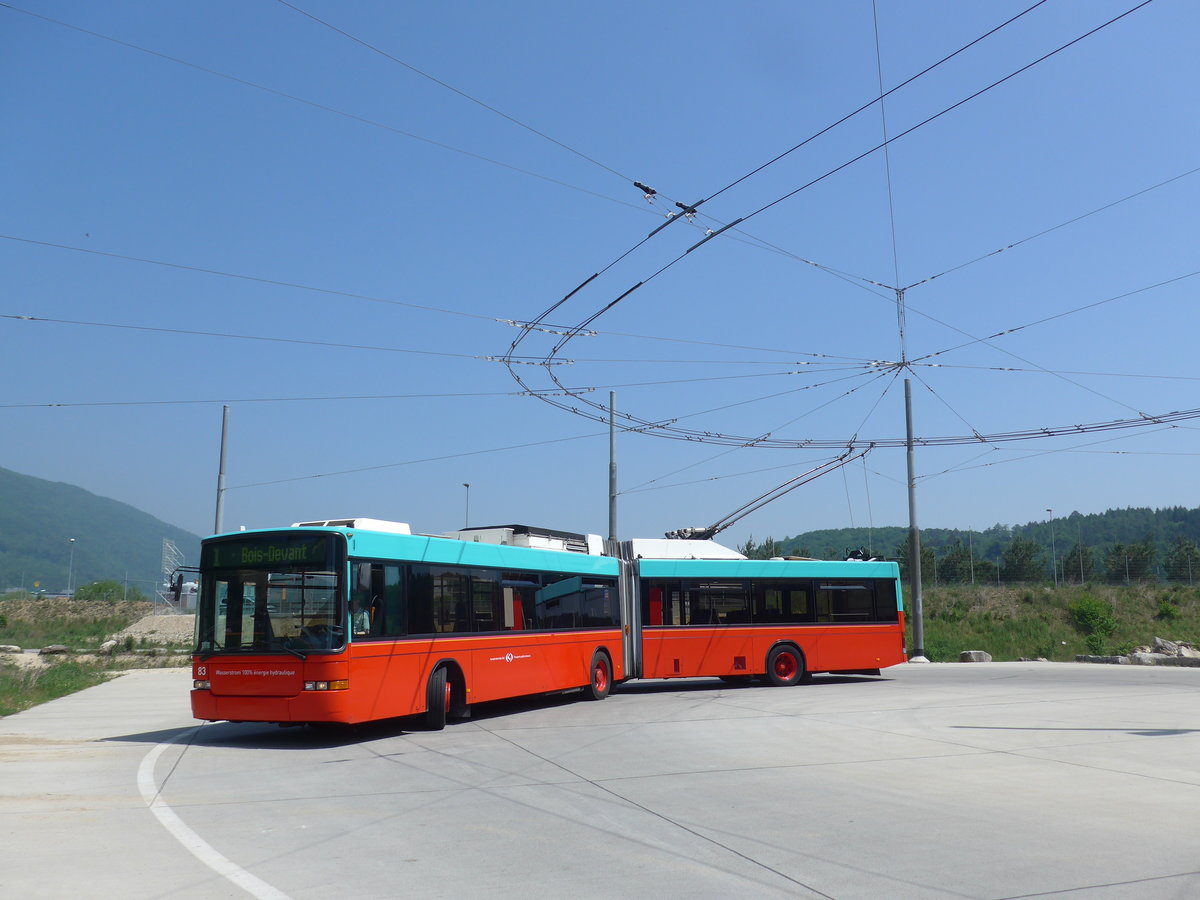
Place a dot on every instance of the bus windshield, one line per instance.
(279, 603)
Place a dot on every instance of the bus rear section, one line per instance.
(777, 620)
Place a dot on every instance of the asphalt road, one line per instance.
(996, 780)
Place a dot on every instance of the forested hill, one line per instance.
(113, 540)
(1154, 537)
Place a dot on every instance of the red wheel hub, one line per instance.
(600, 676)
(786, 665)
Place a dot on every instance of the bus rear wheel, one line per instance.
(437, 699)
(600, 680)
(785, 666)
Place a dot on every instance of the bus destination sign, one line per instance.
(260, 552)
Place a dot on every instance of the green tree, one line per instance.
(766, 550)
(927, 565)
(1129, 562)
(955, 565)
(1182, 561)
(1078, 564)
(1024, 560)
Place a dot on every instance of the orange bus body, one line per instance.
(690, 652)
(449, 622)
(724, 618)
(387, 679)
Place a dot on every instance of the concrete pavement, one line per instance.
(995, 780)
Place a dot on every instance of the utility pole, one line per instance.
(612, 465)
(71, 568)
(220, 514)
(914, 533)
(1053, 547)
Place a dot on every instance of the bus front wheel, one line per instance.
(437, 700)
(785, 666)
(600, 680)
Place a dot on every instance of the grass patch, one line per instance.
(39, 622)
(29, 621)
(24, 686)
(1035, 621)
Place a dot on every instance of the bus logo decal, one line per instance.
(510, 657)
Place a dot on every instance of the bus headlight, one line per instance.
(200, 684)
(339, 685)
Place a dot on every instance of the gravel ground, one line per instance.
(161, 629)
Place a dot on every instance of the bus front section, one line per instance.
(271, 627)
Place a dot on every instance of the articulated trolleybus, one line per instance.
(353, 620)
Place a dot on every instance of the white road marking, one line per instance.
(195, 844)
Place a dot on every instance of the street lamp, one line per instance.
(71, 568)
(467, 506)
(1053, 548)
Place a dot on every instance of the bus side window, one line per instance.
(487, 611)
(777, 603)
(420, 600)
(799, 604)
(362, 598)
(388, 613)
(517, 601)
(514, 609)
(718, 602)
(652, 603)
(845, 601)
(768, 603)
(886, 608)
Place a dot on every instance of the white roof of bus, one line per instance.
(664, 548)
(361, 523)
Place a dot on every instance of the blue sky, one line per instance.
(383, 213)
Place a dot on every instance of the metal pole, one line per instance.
(1080, 554)
(220, 514)
(914, 537)
(467, 506)
(71, 568)
(1053, 548)
(612, 465)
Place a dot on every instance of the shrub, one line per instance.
(1167, 611)
(1092, 616)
